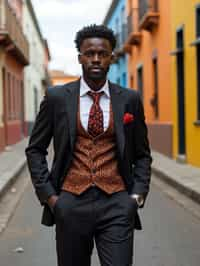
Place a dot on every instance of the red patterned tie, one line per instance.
(95, 121)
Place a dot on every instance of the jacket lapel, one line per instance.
(73, 92)
(118, 112)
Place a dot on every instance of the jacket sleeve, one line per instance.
(142, 156)
(36, 151)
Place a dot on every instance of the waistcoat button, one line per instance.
(93, 171)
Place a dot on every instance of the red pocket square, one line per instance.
(128, 118)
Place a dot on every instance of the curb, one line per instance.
(187, 191)
(8, 178)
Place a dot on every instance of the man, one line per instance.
(101, 168)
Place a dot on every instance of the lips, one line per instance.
(96, 69)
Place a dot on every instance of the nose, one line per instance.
(96, 57)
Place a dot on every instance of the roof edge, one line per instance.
(110, 11)
(35, 20)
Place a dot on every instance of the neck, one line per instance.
(95, 84)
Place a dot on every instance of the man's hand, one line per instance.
(52, 201)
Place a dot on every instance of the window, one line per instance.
(13, 98)
(117, 33)
(198, 21)
(198, 60)
(140, 80)
(35, 100)
(131, 81)
(180, 69)
(8, 95)
(155, 96)
(123, 25)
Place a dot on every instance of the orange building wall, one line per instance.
(59, 77)
(159, 42)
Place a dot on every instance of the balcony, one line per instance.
(148, 14)
(11, 34)
(134, 35)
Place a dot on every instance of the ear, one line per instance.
(113, 58)
(79, 59)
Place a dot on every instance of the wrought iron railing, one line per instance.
(147, 5)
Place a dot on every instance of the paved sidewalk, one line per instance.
(183, 177)
(12, 162)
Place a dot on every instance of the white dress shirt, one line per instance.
(86, 102)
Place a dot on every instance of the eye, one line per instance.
(101, 54)
(104, 54)
(89, 54)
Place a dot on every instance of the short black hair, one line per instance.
(95, 31)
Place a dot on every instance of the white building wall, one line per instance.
(34, 73)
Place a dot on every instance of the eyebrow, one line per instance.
(93, 49)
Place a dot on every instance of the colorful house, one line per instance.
(116, 20)
(148, 45)
(14, 56)
(162, 43)
(185, 26)
(35, 72)
(46, 81)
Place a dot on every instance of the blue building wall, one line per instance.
(118, 71)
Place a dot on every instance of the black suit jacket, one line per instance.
(57, 120)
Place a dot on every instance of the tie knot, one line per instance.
(95, 95)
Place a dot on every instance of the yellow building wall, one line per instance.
(184, 13)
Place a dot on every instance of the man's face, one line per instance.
(95, 57)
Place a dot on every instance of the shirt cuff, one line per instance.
(139, 199)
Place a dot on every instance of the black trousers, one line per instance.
(95, 216)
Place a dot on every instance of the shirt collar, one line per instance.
(84, 88)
